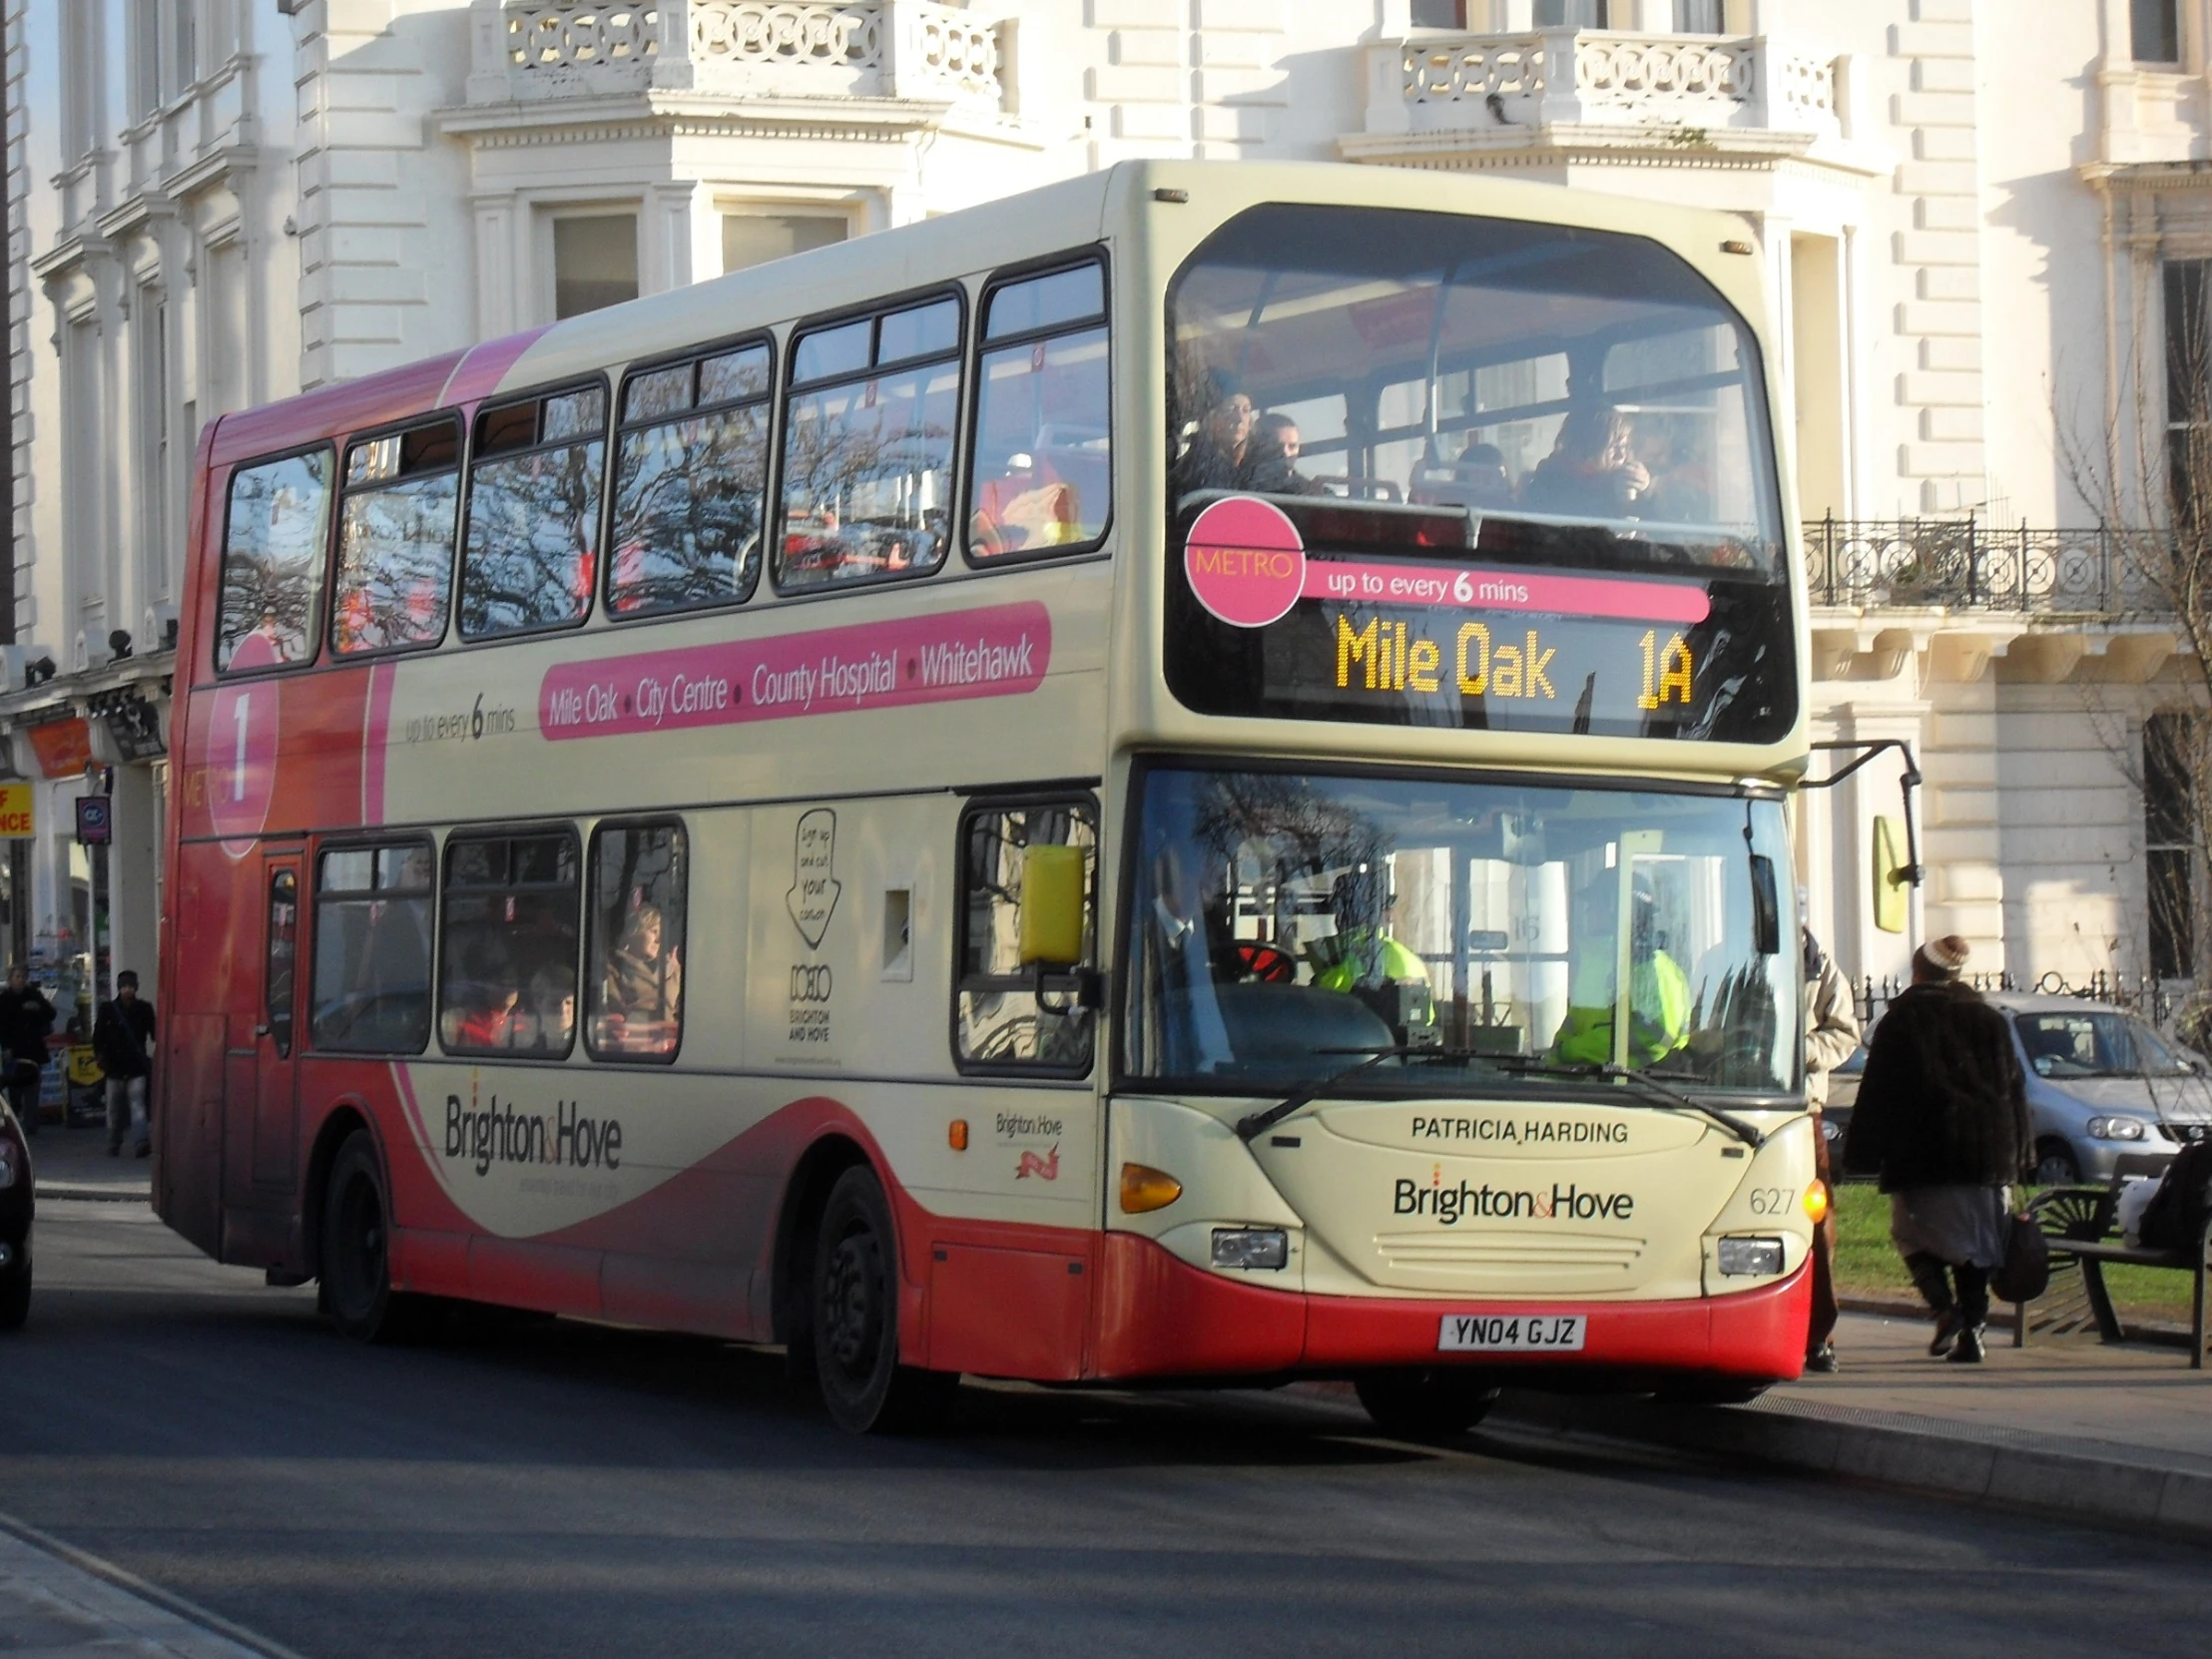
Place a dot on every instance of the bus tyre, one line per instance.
(856, 1318)
(1708, 1390)
(356, 1266)
(15, 1291)
(1431, 1403)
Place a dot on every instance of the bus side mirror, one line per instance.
(1892, 875)
(1766, 907)
(1051, 906)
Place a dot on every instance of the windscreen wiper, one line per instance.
(1254, 1123)
(1650, 1086)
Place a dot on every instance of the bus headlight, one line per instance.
(1252, 1248)
(1740, 1257)
(2116, 1129)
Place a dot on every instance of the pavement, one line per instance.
(73, 1163)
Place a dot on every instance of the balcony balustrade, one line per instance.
(1965, 564)
(529, 51)
(1606, 87)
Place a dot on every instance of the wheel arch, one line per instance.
(338, 1124)
(791, 1265)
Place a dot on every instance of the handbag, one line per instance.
(2026, 1273)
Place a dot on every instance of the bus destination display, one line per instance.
(1259, 627)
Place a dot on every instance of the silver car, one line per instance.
(2101, 1087)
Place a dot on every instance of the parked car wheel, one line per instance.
(2055, 1165)
(15, 1293)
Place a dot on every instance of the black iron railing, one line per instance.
(2148, 998)
(1966, 563)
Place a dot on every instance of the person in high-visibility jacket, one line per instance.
(1659, 1002)
(1372, 961)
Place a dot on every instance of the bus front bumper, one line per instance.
(1159, 1317)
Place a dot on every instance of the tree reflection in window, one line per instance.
(533, 514)
(867, 465)
(273, 562)
(688, 490)
(396, 539)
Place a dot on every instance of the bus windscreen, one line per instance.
(1438, 470)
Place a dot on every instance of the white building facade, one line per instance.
(1971, 212)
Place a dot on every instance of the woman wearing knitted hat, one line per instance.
(1942, 1118)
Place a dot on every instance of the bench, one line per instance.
(2077, 1221)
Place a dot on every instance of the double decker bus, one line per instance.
(1178, 778)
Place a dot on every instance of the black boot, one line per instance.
(1931, 1277)
(1973, 1315)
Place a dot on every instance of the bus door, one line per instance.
(270, 1145)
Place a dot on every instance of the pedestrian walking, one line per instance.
(25, 1019)
(1942, 1118)
(1831, 1036)
(123, 1038)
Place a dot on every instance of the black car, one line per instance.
(15, 1221)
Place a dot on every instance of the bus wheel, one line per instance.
(856, 1318)
(1430, 1404)
(356, 1270)
(1712, 1391)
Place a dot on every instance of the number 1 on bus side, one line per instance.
(238, 716)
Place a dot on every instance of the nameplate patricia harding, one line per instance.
(996, 651)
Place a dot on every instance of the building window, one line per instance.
(1439, 14)
(183, 62)
(690, 469)
(507, 944)
(595, 262)
(533, 513)
(868, 446)
(2188, 295)
(1028, 934)
(155, 530)
(637, 877)
(1700, 17)
(1573, 14)
(146, 57)
(754, 238)
(372, 949)
(396, 539)
(81, 80)
(1041, 446)
(2154, 31)
(2170, 751)
(273, 551)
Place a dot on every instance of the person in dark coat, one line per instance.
(1942, 1118)
(25, 1019)
(123, 1038)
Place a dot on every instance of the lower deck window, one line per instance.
(507, 949)
(372, 949)
(638, 874)
(1028, 907)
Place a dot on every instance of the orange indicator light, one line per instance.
(956, 1136)
(1144, 1188)
(1816, 1201)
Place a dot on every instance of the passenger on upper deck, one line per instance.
(1592, 471)
(1026, 506)
(1216, 457)
(1270, 460)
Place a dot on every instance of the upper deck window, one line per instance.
(1419, 421)
(690, 467)
(533, 512)
(1041, 452)
(868, 446)
(273, 551)
(396, 523)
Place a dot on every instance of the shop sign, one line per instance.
(18, 811)
(63, 747)
(135, 728)
(95, 819)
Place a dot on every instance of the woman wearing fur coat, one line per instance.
(1942, 1118)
